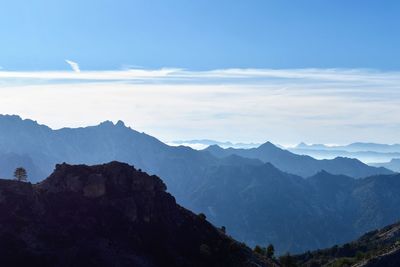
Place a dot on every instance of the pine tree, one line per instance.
(21, 175)
(270, 251)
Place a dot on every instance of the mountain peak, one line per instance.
(106, 123)
(120, 123)
(214, 147)
(302, 145)
(110, 124)
(268, 144)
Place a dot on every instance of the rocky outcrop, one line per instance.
(107, 215)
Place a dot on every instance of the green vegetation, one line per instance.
(370, 246)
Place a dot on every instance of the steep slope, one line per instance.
(261, 205)
(299, 164)
(107, 215)
(378, 248)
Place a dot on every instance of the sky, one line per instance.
(247, 71)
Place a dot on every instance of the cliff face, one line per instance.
(107, 215)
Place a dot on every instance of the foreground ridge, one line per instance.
(108, 215)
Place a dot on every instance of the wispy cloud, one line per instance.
(74, 65)
(285, 106)
(181, 75)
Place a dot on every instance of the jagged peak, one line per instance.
(111, 124)
(120, 123)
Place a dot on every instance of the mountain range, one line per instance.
(300, 164)
(203, 143)
(251, 192)
(365, 152)
(369, 153)
(355, 147)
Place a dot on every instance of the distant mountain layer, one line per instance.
(108, 215)
(203, 143)
(367, 157)
(365, 152)
(261, 205)
(394, 165)
(379, 248)
(355, 147)
(299, 164)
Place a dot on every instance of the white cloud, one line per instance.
(74, 65)
(249, 105)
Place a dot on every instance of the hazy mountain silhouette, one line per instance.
(366, 152)
(207, 142)
(393, 165)
(355, 147)
(300, 164)
(108, 215)
(180, 166)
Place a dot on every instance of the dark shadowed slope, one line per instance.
(304, 166)
(379, 248)
(107, 215)
(261, 205)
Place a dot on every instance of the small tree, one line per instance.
(287, 261)
(202, 216)
(259, 250)
(223, 229)
(270, 251)
(21, 175)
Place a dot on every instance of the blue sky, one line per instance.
(40, 34)
(316, 71)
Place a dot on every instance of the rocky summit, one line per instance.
(108, 215)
